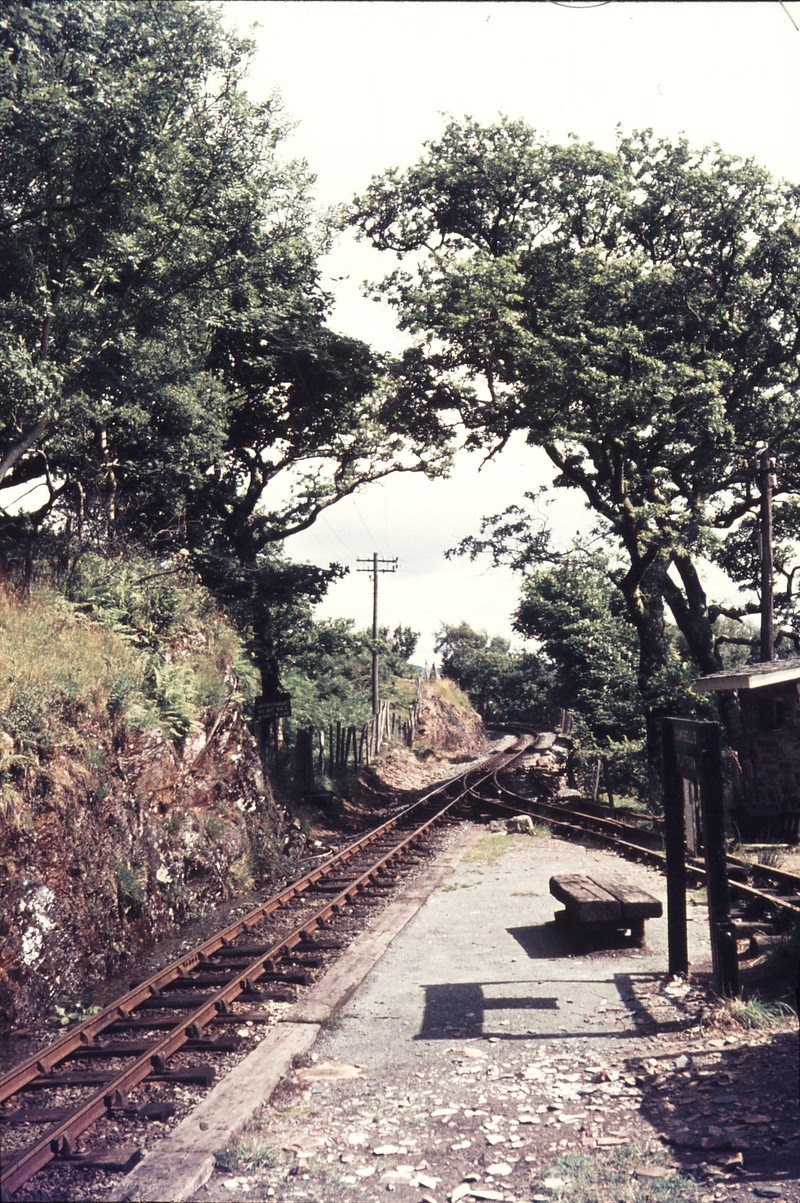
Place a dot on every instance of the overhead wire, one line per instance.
(370, 535)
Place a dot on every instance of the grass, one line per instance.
(246, 1154)
(114, 652)
(332, 1022)
(755, 1014)
(772, 857)
(489, 849)
(449, 692)
(56, 666)
(131, 881)
(457, 885)
(608, 1177)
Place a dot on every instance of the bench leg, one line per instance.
(637, 931)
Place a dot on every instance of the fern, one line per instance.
(176, 696)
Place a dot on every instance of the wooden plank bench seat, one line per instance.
(596, 904)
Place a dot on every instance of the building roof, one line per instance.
(751, 676)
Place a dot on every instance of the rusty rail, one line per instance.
(620, 835)
(392, 840)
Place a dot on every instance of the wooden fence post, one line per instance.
(607, 778)
(676, 855)
(723, 939)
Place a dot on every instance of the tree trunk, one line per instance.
(643, 593)
(263, 631)
(690, 611)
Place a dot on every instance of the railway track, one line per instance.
(765, 901)
(119, 1069)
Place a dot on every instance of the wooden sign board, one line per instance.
(279, 706)
(687, 748)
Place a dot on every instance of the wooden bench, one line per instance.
(600, 905)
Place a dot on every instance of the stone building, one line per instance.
(769, 695)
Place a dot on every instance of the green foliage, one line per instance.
(328, 670)
(165, 357)
(131, 882)
(55, 667)
(247, 1153)
(501, 684)
(636, 314)
(599, 1176)
(132, 643)
(576, 615)
(755, 1014)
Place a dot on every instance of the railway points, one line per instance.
(117, 1067)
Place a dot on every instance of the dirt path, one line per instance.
(483, 1059)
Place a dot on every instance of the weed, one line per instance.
(213, 826)
(242, 872)
(489, 849)
(772, 855)
(332, 1022)
(131, 882)
(457, 885)
(247, 1154)
(76, 1012)
(603, 1176)
(526, 893)
(754, 1013)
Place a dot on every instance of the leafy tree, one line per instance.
(328, 667)
(165, 362)
(501, 684)
(403, 644)
(637, 314)
(577, 616)
(166, 369)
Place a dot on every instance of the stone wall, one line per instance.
(771, 761)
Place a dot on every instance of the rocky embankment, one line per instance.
(108, 849)
(101, 854)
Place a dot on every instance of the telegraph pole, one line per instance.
(375, 566)
(766, 480)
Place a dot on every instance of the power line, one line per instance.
(370, 535)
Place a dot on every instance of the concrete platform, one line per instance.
(184, 1160)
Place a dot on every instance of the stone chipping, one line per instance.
(482, 1048)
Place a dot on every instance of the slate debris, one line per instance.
(716, 1106)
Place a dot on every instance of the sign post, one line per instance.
(692, 777)
(268, 713)
(675, 839)
(275, 707)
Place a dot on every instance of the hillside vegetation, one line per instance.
(131, 795)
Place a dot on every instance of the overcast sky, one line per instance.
(369, 82)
